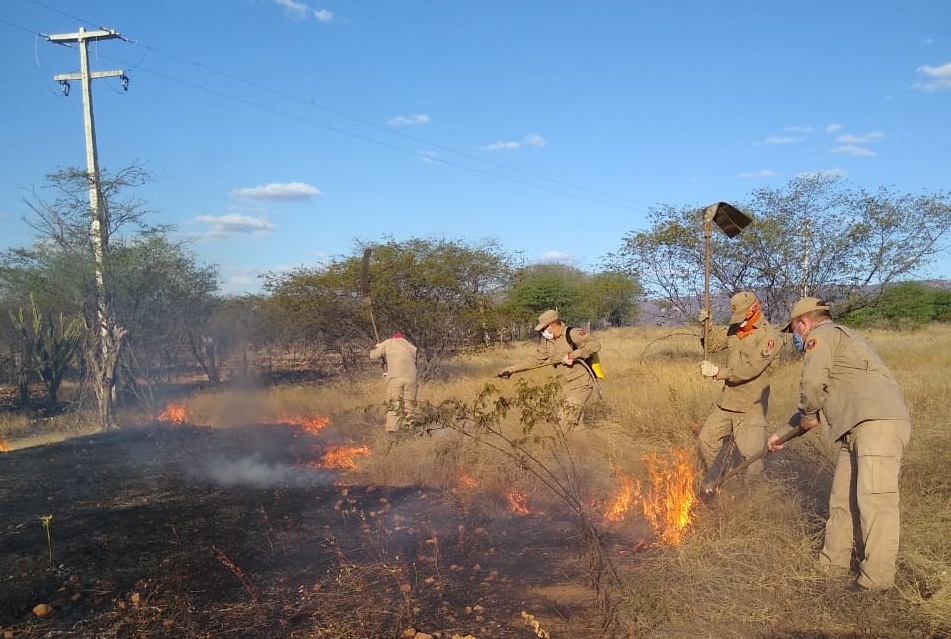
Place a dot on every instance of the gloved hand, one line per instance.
(703, 316)
(709, 369)
(505, 373)
(567, 360)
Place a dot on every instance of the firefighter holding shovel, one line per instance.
(752, 345)
(401, 383)
(567, 349)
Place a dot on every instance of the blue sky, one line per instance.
(281, 132)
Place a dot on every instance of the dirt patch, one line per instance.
(176, 531)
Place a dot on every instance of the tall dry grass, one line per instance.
(746, 565)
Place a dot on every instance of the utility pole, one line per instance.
(110, 334)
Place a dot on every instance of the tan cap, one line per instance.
(739, 304)
(548, 317)
(802, 307)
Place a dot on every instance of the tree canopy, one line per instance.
(815, 236)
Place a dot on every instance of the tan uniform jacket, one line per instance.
(747, 373)
(845, 379)
(554, 350)
(400, 357)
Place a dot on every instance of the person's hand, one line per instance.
(808, 423)
(703, 316)
(771, 443)
(506, 372)
(567, 360)
(709, 369)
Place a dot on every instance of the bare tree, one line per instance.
(64, 222)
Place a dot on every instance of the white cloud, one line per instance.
(428, 156)
(555, 256)
(834, 172)
(235, 224)
(866, 138)
(832, 128)
(298, 9)
(854, 150)
(301, 10)
(532, 139)
(758, 174)
(857, 145)
(497, 146)
(406, 120)
(777, 139)
(940, 77)
(278, 191)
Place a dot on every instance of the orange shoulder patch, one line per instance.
(770, 345)
(581, 332)
(811, 343)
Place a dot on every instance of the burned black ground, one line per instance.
(175, 531)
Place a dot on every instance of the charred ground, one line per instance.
(176, 531)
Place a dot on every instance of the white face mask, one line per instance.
(547, 334)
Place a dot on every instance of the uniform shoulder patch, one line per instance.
(768, 347)
(811, 343)
(580, 332)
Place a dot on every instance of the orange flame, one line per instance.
(343, 457)
(4, 446)
(467, 481)
(174, 413)
(310, 424)
(670, 497)
(625, 498)
(517, 502)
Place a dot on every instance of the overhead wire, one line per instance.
(564, 188)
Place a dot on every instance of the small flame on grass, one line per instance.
(343, 457)
(670, 497)
(517, 502)
(467, 481)
(5, 447)
(625, 498)
(174, 413)
(310, 424)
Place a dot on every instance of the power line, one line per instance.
(371, 140)
(602, 198)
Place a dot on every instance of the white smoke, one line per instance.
(255, 472)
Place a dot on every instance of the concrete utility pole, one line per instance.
(110, 335)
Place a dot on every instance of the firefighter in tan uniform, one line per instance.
(563, 351)
(847, 387)
(401, 384)
(752, 345)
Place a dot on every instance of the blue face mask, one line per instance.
(799, 343)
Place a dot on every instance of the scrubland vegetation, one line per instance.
(744, 565)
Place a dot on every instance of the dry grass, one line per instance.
(746, 566)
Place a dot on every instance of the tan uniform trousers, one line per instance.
(400, 401)
(748, 430)
(576, 396)
(864, 500)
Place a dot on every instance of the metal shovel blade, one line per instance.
(729, 218)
